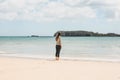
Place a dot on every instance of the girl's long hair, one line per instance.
(58, 34)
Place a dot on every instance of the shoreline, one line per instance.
(65, 59)
(12, 68)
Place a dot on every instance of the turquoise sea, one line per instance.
(75, 48)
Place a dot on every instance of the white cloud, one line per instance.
(38, 10)
(8, 16)
(109, 8)
(72, 2)
(60, 11)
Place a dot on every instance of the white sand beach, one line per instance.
(36, 69)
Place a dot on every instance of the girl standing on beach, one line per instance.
(58, 45)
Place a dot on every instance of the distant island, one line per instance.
(86, 33)
(34, 36)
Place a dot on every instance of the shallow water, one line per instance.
(91, 48)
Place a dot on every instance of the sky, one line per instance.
(45, 17)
